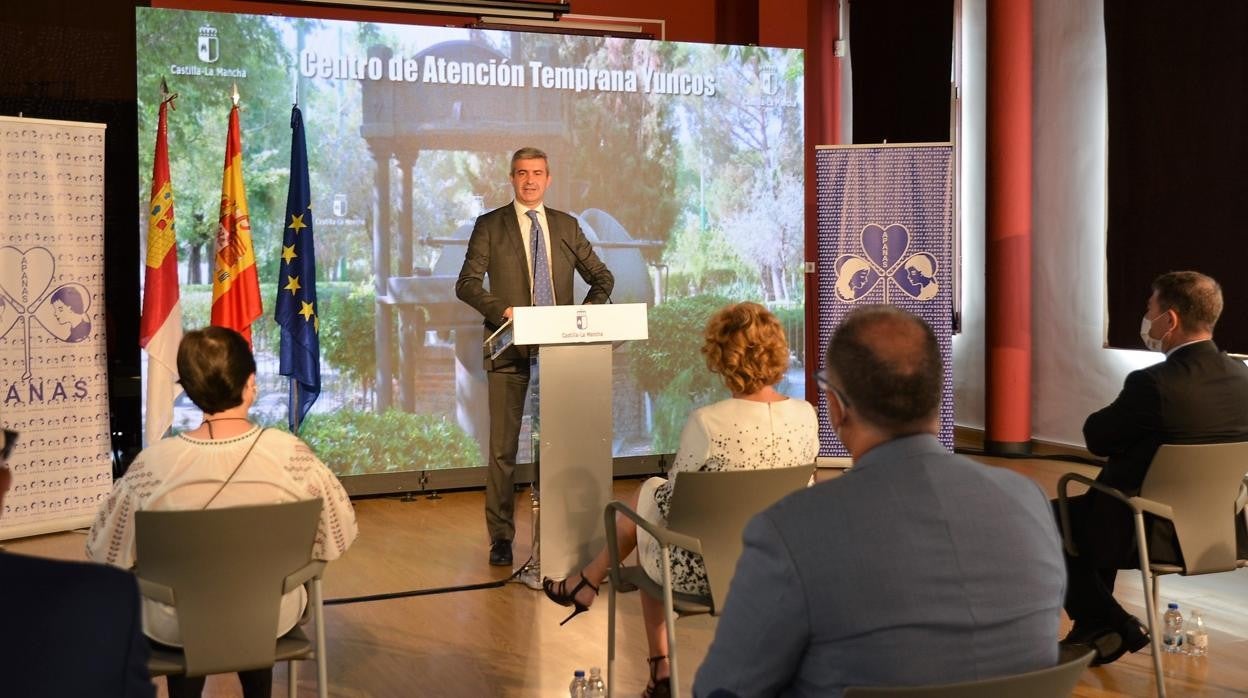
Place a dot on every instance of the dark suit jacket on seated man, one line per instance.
(501, 248)
(68, 628)
(916, 566)
(1197, 395)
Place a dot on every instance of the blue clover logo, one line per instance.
(884, 259)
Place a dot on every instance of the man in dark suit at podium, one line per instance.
(528, 251)
(69, 629)
(1197, 395)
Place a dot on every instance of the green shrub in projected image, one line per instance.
(358, 443)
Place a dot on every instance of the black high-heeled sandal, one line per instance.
(657, 688)
(558, 592)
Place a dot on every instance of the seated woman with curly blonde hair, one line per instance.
(756, 428)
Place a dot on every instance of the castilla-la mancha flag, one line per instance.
(160, 328)
(235, 285)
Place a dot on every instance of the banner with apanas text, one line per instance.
(885, 216)
(53, 367)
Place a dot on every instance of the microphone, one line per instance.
(580, 260)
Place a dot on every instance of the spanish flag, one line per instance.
(160, 328)
(235, 285)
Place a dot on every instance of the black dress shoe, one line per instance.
(1110, 643)
(1134, 634)
(500, 553)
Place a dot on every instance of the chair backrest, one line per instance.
(1201, 483)
(1055, 682)
(715, 506)
(226, 568)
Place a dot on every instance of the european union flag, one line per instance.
(296, 310)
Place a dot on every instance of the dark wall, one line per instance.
(1178, 143)
(75, 61)
(902, 58)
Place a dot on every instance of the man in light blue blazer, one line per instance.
(917, 566)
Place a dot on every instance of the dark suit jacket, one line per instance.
(70, 629)
(1198, 395)
(496, 250)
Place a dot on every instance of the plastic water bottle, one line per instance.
(577, 689)
(1197, 638)
(596, 687)
(1172, 636)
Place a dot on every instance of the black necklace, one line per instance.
(222, 419)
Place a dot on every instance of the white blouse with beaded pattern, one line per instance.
(732, 434)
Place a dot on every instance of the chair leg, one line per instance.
(1150, 603)
(292, 685)
(669, 617)
(322, 654)
(1156, 590)
(611, 641)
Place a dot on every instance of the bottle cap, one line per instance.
(1174, 606)
(579, 673)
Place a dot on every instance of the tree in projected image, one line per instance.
(624, 142)
(198, 123)
(743, 176)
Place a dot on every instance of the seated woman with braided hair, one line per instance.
(757, 427)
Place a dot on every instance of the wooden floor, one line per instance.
(507, 641)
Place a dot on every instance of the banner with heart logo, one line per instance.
(885, 230)
(53, 358)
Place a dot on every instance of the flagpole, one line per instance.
(295, 415)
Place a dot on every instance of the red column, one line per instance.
(823, 127)
(1008, 302)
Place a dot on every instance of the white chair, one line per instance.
(1200, 489)
(708, 513)
(225, 571)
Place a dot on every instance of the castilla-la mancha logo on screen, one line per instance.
(208, 49)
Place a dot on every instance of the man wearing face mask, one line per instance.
(1197, 395)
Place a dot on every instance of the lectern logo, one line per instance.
(208, 48)
(340, 205)
(582, 320)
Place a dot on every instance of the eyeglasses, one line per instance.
(824, 382)
(821, 380)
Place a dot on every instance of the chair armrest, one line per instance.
(1242, 499)
(295, 579)
(1139, 504)
(155, 591)
(666, 536)
(1063, 509)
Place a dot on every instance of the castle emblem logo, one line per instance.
(208, 48)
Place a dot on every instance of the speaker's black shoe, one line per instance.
(500, 553)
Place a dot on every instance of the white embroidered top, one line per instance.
(184, 473)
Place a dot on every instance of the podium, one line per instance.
(575, 428)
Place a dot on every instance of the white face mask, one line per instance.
(1146, 326)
